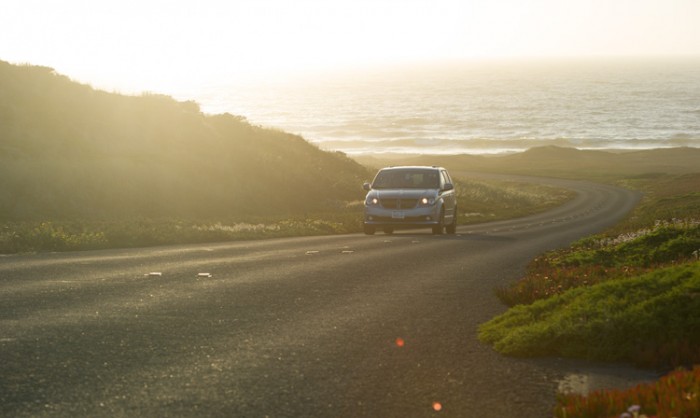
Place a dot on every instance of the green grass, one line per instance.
(483, 201)
(663, 230)
(666, 241)
(631, 294)
(665, 198)
(69, 151)
(601, 258)
(46, 236)
(508, 200)
(649, 319)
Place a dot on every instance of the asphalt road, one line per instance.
(338, 326)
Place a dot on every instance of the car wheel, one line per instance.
(389, 230)
(437, 229)
(369, 230)
(452, 228)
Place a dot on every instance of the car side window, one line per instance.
(445, 178)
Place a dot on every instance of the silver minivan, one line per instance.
(411, 197)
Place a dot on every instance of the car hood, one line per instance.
(402, 193)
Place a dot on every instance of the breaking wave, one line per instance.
(485, 108)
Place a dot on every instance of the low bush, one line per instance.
(338, 217)
(20, 237)
(649, 319)
(675, 395)
(48, 236)
(482, 201)
(631, 294)
(666, 241)
(598, 259)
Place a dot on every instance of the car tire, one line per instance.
(440, 227)
(369, 230)
(388, 230)
(452, 228)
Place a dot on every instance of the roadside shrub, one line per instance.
(651, 320)
(482, 201)
(335, 217)
(72, 236)
(47, 236)
(674, 395)
(598, 259)
(665, 242)
(544, 280)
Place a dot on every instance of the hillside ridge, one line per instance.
(557, 161)
(68, 150)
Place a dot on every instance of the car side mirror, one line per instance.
(367, 186)
(448, 187)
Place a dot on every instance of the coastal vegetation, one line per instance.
(629, 295)
(479, 202)
(603, 288)
(86, 169)
(70, 152)
(82, 169)
(650, 319)
(674, 395)
(631, 168)
(485, 200)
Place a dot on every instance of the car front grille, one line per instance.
(399, 203)
(408, 220)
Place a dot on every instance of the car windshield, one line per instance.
(406, 179)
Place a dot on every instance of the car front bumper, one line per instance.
(421, 216)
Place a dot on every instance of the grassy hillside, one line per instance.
(555, 161)
(68, 151)
(660, 238)
(628, 295)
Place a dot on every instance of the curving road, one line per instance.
(337, 326)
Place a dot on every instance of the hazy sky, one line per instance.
(137, 45)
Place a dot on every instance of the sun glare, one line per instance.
(154, 44)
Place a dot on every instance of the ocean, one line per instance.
(480, 107)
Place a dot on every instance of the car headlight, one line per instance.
(372, 201)
(427, 201)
